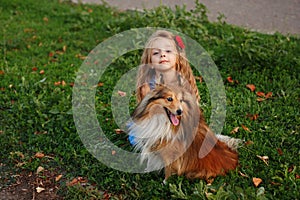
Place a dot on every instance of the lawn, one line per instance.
(44, 43)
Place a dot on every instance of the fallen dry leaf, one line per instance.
(251, 87)
(77, 181)
(245, 128)
(40, 132)
(51, 54)
(34, 69)
(39, 155)
(73, 182)
(260, 94)
(18, 153)
(39, 189)
(57, 178)
(2, 72)
(268, 95)
(64, 48)
(100, 84)
(256, 181)
(119, 131)
(20, 164)
(45, 19)
(121, 93)
(39, 169)
(199, 78)
(229, 79)
(249, 142)
(265, 159)
(235, 130)
(42, 71)
(280, 152)
(58, 52)
(274, 183)
(63, 83)
(81, 57)
(243, 175)
(260, 99)
(252, 116)
(57, 83)
(113, 152)
(291, 168)
(28, 30)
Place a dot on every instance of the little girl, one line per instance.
(164, 61)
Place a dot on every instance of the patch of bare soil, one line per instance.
(32, 186)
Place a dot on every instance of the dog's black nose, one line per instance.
(179, 112)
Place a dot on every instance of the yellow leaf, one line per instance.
(73, 182)
(39, 169)
(121, 93)
(245, 128)
(268, 95)
(251, 87)
(63, 83)
(264, 158)
(64, 48)
(39, 155)
(119, 131)
(39, 189)
(242, 174)
(256, 181)
(260, 99)
(45, 19)
(58, 177)
(235, 130)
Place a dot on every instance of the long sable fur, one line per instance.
(189, 149)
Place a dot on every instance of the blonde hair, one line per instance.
(182, 65)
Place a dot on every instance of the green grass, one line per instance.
(36, 115)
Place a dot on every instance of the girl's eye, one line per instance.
(168, 51)
(170, 99)
(155, 53)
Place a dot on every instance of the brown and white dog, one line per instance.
(170, 132)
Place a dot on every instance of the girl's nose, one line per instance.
(162, 54)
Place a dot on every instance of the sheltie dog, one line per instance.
(169, 130)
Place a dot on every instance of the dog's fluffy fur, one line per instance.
(170, 132)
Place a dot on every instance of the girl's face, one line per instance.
(163, 54)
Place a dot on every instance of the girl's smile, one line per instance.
(163, 61)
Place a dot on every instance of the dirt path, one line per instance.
(267, 16)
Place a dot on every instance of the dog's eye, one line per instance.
(181, 100)
(170, 99)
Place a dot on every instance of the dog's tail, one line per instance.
(233, 143)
